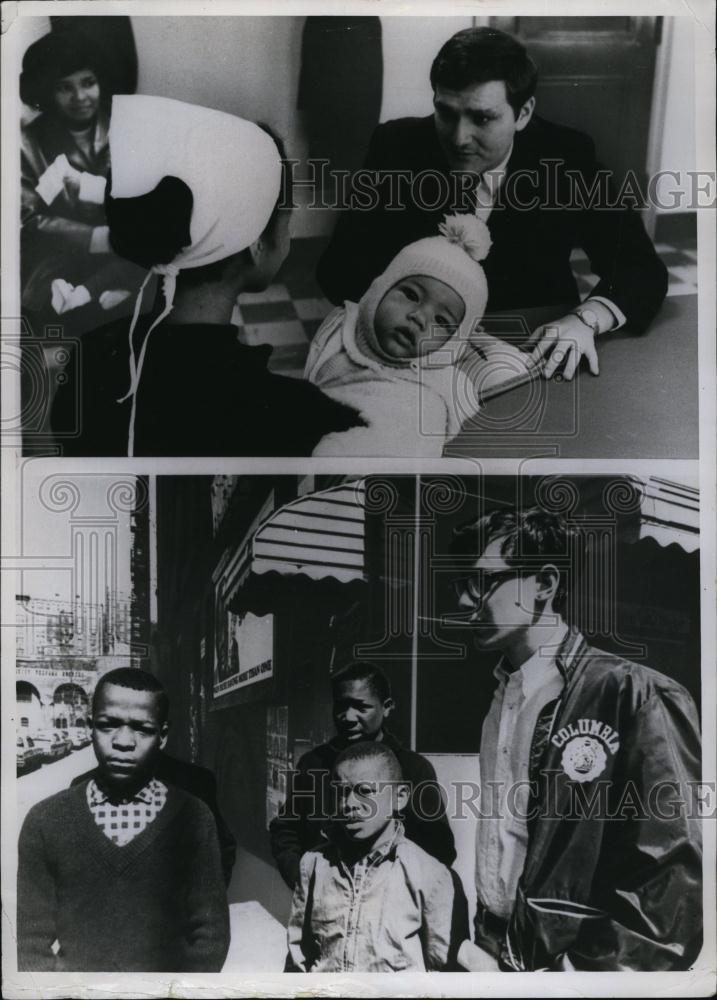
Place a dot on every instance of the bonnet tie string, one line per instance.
(169, 274)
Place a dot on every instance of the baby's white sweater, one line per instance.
(412, 410)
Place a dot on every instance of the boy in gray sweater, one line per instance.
(122, 873)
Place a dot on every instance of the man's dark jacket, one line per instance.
(198, 781)
(307, 809)
(529, 262)
(616, 884)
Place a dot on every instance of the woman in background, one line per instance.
(66, 259)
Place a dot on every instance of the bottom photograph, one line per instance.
(341, 724)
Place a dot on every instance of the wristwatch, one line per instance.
(589, 318)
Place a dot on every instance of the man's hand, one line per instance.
(561, 344)
(474, 959)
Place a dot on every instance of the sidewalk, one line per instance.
(50, 778)
(258, 940)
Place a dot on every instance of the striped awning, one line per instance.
(318, 537)
(670, 513)
(319, 534)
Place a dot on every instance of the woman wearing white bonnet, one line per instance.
(195, 197)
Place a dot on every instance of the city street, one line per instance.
(51, 778)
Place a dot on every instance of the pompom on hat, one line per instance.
(453, 256)
(468, 232)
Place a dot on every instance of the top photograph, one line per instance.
(338, 236)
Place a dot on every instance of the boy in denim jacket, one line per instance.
(368, 899)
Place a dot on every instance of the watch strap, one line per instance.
(594, 326)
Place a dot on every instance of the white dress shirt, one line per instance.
(502, 838)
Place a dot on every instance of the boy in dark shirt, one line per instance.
(362, 703)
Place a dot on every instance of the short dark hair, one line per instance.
(369, 673)
(135, 680)
(526, 534)
(378, 752)
(51, 57)
(478, 55)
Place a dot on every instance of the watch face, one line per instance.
(590, 318)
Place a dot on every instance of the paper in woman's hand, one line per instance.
(52, 181)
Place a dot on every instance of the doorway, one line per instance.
(596, 74)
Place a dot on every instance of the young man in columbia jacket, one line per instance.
(592, 858)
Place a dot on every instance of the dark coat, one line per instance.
(298, 828)
(67, 224)
(55, 239)
(201, 392)
(617, 884)
(529, 262)
(198, 781)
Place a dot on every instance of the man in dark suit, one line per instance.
(537, 185)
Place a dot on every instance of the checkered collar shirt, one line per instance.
(121, 821)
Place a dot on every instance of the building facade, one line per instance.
(61, 650)
(268, 585)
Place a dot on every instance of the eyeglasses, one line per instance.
(479, 584)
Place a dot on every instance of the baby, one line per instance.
(369, 899)
(399, 356)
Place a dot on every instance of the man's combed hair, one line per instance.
(367, 672)
(478, 55)
(385, 760)
(528, 536)
(135, 680)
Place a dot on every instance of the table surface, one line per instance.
(644, 403)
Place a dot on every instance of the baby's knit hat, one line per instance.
(453, 257)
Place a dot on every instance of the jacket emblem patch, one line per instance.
(585, 746)
(583, 758)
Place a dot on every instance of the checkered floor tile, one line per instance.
(289, 312)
